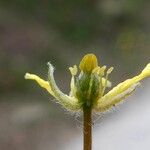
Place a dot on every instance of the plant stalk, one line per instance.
(87, 128)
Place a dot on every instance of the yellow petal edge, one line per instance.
(44, 84)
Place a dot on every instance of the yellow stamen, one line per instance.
(110, 70)
(102, 71)
(73, 70)
(96, 70)
(108, 83)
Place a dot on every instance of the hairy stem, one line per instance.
(87, 128)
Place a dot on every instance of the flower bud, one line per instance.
(88, 63)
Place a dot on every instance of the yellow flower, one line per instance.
(88, 88)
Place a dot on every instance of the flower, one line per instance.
(88, 88)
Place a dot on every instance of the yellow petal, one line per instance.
(44, 84)
(122, 90)
(146, 72)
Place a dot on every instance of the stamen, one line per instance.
(97, 70)
(73, 70)
(102, 70)
(101, 74)
(106, 80)
(110, 70)
(108, 83)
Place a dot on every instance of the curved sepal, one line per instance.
(65, 100)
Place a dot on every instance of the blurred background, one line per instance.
(33, 32)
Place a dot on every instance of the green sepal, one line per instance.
(87, 89)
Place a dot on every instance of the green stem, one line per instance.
(87, 128)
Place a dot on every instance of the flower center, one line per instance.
(88, 63)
